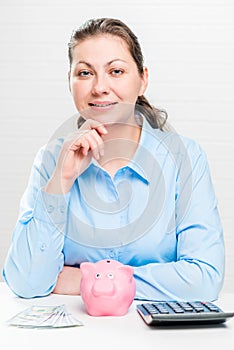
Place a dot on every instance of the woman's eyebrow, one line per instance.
(107, 64)
(114, 60)
(83, 62)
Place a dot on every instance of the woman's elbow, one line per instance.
(22, 287)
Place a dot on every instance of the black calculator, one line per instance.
(182, 313)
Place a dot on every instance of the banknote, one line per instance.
(44, 316)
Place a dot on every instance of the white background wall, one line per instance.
(189, 49)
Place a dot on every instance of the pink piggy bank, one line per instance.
(107, 287)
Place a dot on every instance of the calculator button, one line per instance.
(176, 307)
(211, 307)
(178, 311)
(197, 306)
(151, 309)
(199, 309)
(186, 307)
(161, 308)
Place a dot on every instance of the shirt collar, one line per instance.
(142, 162)
(144, 158)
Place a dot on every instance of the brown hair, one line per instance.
(157, 118)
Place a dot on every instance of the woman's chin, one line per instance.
(113, 114)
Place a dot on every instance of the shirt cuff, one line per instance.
(51, 207)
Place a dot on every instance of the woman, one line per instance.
(121, 187)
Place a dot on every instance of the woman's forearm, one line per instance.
(68, 281)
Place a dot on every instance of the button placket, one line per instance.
(112, 253)
(50, 208)
(43, 247)
(62, 209)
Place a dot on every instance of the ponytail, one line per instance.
(157, 118)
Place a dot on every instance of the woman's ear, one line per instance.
(69, 76)
(144, 81)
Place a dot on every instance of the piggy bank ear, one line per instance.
(127, 270)
(86, 268)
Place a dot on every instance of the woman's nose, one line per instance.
(101, 85)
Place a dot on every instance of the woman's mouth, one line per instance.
(105, 105)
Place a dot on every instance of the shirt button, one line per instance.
(112, 254)
(50, 208)
(43, 247)
(62, 209)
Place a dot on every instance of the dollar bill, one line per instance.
(44, 316)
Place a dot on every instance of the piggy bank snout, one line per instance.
(103, 287)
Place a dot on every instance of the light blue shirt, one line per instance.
(158, 214)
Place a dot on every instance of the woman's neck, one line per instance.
(120, 144)
(130, 131)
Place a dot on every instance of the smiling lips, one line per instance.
(102, 105)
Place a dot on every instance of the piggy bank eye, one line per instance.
(98, 275)
(110, 275)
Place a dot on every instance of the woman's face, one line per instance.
(104, 75)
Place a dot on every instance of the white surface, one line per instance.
(189, 48)
(123, 332)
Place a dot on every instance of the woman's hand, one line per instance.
(75, 156)
(68, 281)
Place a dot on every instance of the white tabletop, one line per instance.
(107, 332)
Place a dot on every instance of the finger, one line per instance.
(90, 140)
(101, 129)
(95, 143)
(78, 143)
(99, 141)
(93, 124)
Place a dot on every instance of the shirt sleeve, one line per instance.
(198, 272)
(38, 237)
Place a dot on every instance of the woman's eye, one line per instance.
(84, 73)
(117, 72)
